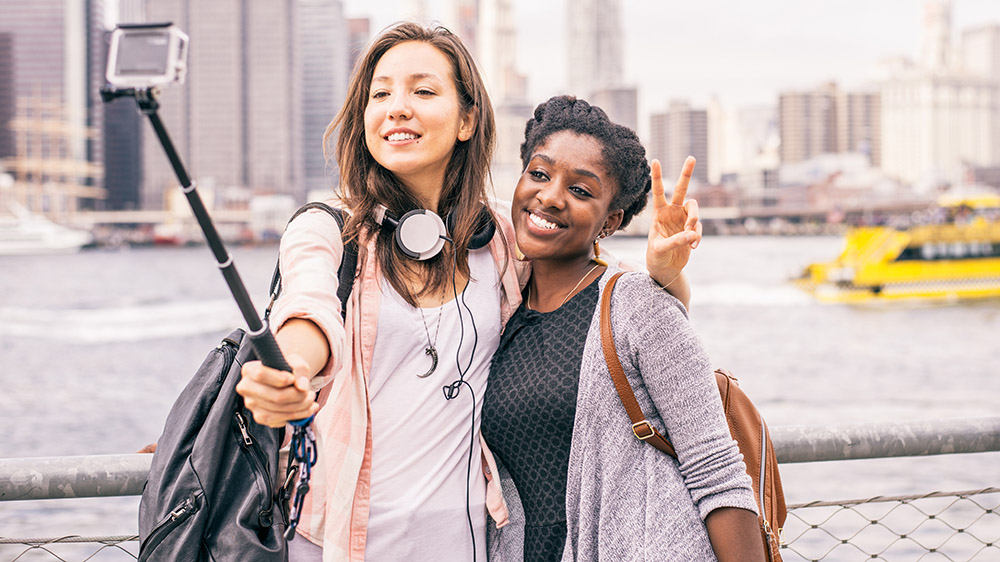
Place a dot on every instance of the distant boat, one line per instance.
(956, 257)
(23, 232)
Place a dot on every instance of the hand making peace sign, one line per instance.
(674, 229)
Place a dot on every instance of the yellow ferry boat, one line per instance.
(956, 258)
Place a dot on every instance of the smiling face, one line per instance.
(413, 117)
(563, 197)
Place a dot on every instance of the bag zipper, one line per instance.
(763, 467)
(177, 516)
(265, 516)
(763, 503)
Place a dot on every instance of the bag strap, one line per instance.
(641, 428)
(348, 265)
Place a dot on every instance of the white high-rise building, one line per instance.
(934, 125)
(941, 116)
(981, 51)
(936, 47)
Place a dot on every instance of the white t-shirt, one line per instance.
(420, 440)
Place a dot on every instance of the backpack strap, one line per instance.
(348, 265)
(641, 428)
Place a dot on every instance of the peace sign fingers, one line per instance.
(681, 189)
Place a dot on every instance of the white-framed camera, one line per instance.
(146, 56)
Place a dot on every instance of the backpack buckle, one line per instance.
(648, 432)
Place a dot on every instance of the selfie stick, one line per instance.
(260, 334)
(303, 444)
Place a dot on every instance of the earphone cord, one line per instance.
(452, 390)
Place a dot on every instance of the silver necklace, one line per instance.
(431, 345)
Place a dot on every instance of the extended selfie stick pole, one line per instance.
(303, 444)
(260, 335)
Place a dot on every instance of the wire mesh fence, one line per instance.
(71, 548)
(952, 526)
(946, 526)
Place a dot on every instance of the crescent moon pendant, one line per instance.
(434, 361)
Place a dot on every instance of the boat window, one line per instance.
(950, 250)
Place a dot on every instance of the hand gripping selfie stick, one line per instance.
(136, 69)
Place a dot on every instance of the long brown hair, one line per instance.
(365, 184)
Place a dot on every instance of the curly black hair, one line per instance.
(624, 155)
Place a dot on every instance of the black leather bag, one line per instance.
(211, 492)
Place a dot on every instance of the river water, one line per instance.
(94, 347)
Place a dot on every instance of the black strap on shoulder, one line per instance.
(348, 264)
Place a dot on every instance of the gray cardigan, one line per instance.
(625, 500)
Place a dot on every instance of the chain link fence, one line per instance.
(71, 548)
(952, 526)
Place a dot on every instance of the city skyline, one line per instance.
(745, 54)
(283, 67)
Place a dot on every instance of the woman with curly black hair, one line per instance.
(577, 484)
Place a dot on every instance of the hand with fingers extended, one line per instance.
(674, 229)
(277, 397)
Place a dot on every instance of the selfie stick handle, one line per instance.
(260, 333)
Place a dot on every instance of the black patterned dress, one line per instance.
(528, 412)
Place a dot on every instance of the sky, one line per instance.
(744, 52)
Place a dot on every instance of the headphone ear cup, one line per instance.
(485, 228)
(420, 234)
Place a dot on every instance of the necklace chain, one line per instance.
(527, 301)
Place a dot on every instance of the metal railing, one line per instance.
(958, 525)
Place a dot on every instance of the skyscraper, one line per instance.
(596, 59)
(940, 117)
(358, 35)
(936, 47)
(828, 120)
(462, 18)
(807, 123)
(264, 81)
(981, 51)
(596, 45)
(621, 103)
(859, 124)
(54, 49)
(324, 51)
(496, 39)
(8, 99)
(679, 132)
(123, 134)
